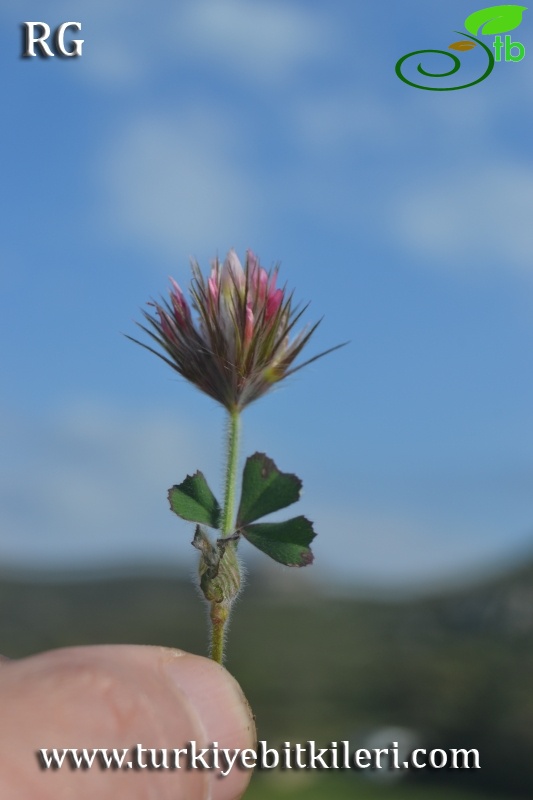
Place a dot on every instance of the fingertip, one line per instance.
(114, 696)
(222, 710)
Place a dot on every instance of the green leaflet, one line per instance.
(193, 500)
(495, 19)
(286, 542)
(265, 489)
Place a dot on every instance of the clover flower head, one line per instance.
(234, 340)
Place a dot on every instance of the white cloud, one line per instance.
(347, 119)
(409, 550)
(113, 63)
(264, 40)
(178, 183)
(88, 484)
(471, 220)
(117, 45)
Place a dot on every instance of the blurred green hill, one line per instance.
(455, 668)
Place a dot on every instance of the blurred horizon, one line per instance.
(448, 671)
(277, 578)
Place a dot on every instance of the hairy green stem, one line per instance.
(230, 481)
(219, 617)
(220, 611)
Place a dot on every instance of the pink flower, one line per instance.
(239, 345)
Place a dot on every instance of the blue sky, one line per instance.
(404, 216)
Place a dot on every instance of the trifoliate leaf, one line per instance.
(286, 542)
(265, 489)
(193, 500)
(495, 19)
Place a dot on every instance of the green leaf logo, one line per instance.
(495, 19)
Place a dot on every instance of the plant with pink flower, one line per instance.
(234, 341)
